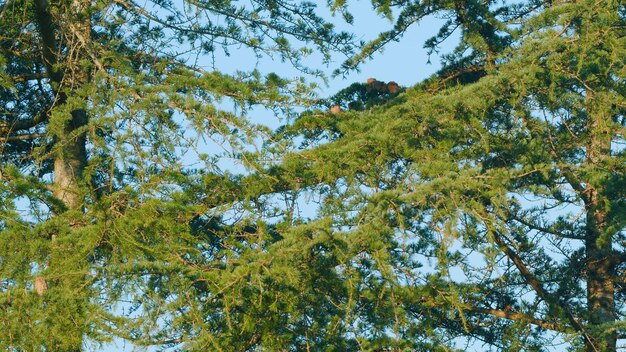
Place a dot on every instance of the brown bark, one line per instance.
(600, 282)
(70, 158)
(70, 163)
(517, 316)
(599, 267)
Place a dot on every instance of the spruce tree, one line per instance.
(100, 102)
(484, 207)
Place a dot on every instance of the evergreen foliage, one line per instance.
(105, 228)
(485, 206)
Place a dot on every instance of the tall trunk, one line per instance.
(600, 281)
(70, 158)
(600, 269)
(70, 162)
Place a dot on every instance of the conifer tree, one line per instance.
(100, 101)
(484, 207)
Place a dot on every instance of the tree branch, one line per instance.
(541, 291)
(22, 124)
(542, 228)
(517, 316)
(29, 77)
(576, 185)
(22, 137)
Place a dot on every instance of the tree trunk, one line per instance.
(70, 162)
(70, 157)
(600, 283)
(600, 268)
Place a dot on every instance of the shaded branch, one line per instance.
(543, 229)
(22, 137)
(577, 186)
(541, 291)
(28, 77)
(22, 124)
(517, 316)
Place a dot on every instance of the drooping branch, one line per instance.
(28, 77)
(538, 287)
(543, 229)
(517, 316)
(577, 186)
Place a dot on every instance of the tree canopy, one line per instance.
(485, 206)
(101, 101)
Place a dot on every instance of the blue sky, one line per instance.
(405, 62)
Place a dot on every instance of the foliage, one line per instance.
(485, 208)
(114, 124)
(482, 207)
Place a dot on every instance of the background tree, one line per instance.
(100, 101)
(485, 205)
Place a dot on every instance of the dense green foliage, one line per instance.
(114, 121)
(484, 207)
